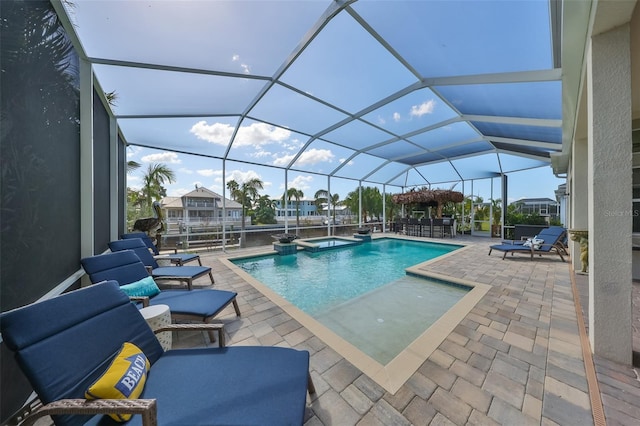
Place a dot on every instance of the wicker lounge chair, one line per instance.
(552, 244)
(125, 267)
(184, 274)
(175, 258)
(63, 358)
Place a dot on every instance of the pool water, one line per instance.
(384, 321)
(362, 292)
(332, 242)
(320, 244)
(315, 282)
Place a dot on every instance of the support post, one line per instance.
(610, 222)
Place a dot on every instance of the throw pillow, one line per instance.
(535, 242)
(124, 379)
(145, 287)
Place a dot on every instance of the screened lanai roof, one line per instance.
(393, 92)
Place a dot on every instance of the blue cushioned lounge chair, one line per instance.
(64, 344)
(547, 233)
(175, 258)
(553, 238)
(184, 274)
(125, 267)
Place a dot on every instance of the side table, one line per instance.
(158, 316)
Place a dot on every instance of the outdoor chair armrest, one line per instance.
(196, 327)
(140, 299)
(146, 407)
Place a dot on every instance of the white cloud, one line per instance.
(301, 182)
(396, 116)
(283, 161)
(258, 134)
(240, 176)
(312, 156)
(342, 160)
(261, 154)
(206, 172)
(217, 133)
(162, 157)
(254, 135)
(424, 108)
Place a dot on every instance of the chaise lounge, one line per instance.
(66, 345)
(548, 241)
(178, 259)
(186, 274)
(125, 267)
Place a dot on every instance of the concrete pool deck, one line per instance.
(516, 358)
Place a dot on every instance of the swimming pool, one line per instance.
(382, 322)
(316, 282)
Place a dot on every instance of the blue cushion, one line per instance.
(201, 302)
(138, 246)
(180, 271)
(144, 237)
(146, 287)
(229, 386)
(122, 266)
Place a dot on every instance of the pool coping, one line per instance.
(309, 242)
(396, 372)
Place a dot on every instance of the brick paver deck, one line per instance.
(515, 359)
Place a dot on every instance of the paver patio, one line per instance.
(515, 359)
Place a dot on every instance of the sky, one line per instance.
(205, 172)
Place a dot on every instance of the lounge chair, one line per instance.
(550, 232)
(161, 273)
(175, 258)
(552, 243)
(125, 267)
(65, 344)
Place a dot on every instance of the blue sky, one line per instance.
(192, 170)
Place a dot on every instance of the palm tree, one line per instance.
(153, 180)
(245, 194)
(132, 166)
(390, 207)
(265, 210)
(371, 202)
(297, 194)
(233, 187)
(323, 196)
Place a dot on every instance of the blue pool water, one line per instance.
(332, 242)
(317, 282)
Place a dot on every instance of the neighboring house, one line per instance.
(200, 207)
(343, 213)
(306, 208)
(545, 207)
(563, 199)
